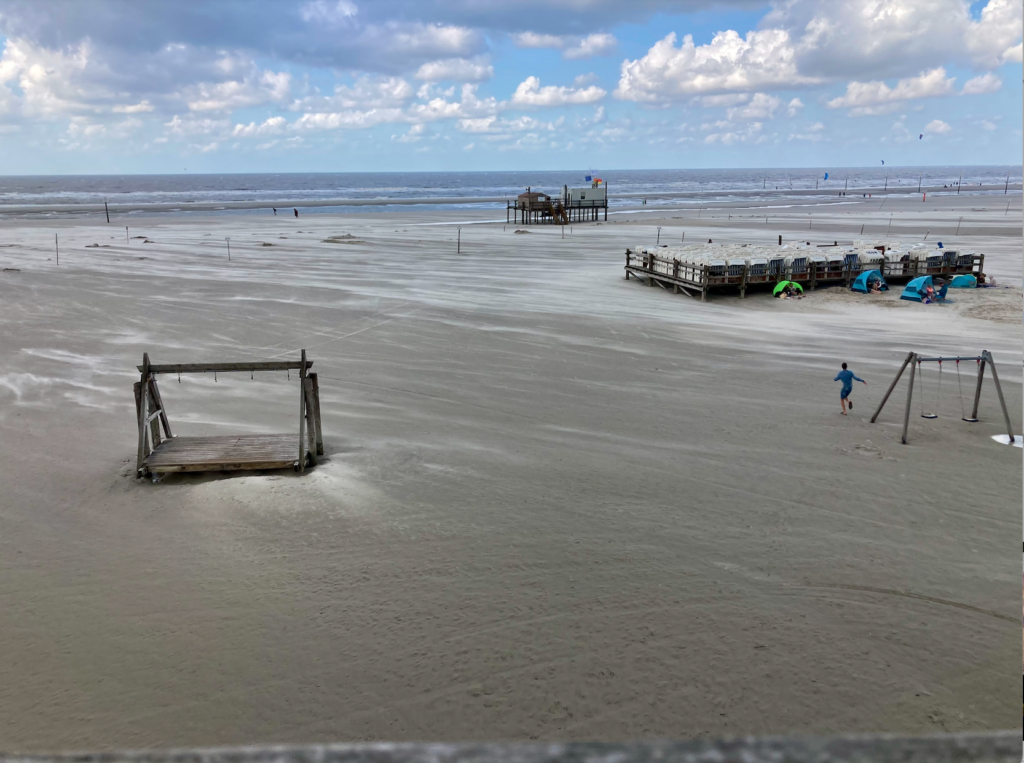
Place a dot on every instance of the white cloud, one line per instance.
(982, 84)
(765, 59)
(573, 48)
(272, 126)
(415, 134)
(813, 133)
(530, 93)
(761, 106)
(138, 108)
(987, 126)
(870, 98)
(590, 46)
(331, 14)
(895, 38)
(715, 101)
(752, 133)
(794, 107)
(350, 120)
(936, 127)
(995, 38)
(455, 70)
(193, 126)
(252, 90)
(364, 94)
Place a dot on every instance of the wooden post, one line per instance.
(56, 246)
(892, 386)
(814, 275)
(316, 415)
(107, 210)
(977, 389)
(743, 282)
(307, 386)
(910, 394)
(302, 414)
(143, 415)
(999, 392)
(627, 264)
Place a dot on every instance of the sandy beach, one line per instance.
(555, 504)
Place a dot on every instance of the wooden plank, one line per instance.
(307, 384)
(302, 414)
(195, 368)
(155, 392)
(223, 453)
(140, 463)
(316, 415)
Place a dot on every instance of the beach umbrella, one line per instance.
(783, 284)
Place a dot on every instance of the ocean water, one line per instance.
(623, 185)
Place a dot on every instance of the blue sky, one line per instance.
(113, 86)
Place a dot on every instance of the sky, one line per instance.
(144, 86)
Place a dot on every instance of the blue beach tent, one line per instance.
(863, 282)
(964, 282)
(914, 291)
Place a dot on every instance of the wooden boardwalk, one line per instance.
(160, 451)
(811, 267)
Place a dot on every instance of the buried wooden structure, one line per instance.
(161, 452)
(914, 361)
(734, 268)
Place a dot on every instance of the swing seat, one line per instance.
(224, 453)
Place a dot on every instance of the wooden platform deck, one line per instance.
(224, 453)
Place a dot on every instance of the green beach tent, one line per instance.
(783, 284)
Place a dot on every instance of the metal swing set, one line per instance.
(914, 361)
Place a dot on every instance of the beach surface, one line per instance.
(554, 504)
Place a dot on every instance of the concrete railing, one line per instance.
(996, 747)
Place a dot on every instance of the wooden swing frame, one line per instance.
(913, 359)
(160, 452)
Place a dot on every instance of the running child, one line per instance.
(847, 377)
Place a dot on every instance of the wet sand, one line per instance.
(555, 504)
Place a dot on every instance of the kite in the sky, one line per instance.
(920, 136)
(826, 176)
(883, 161)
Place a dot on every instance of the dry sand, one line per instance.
(555, 504)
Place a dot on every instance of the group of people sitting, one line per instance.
(790, 293)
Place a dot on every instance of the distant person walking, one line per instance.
(296, 212)
(275, 211)
(847, 377)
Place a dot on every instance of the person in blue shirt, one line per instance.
(847, 377)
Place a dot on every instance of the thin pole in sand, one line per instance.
(889, 227)
(700, 210)
(926, 236)
(883, 203)
(458, 242)
(1006, 188)
(227, 240)
(107, 210)
(683, 239)
(919, 183)
(56, 246)
(958, 226)
(1007, 209)
(862, 229)
(886, 188)
(958, 182)
(659, 236)
(765, 183)
(847, 186)
(126, 241)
